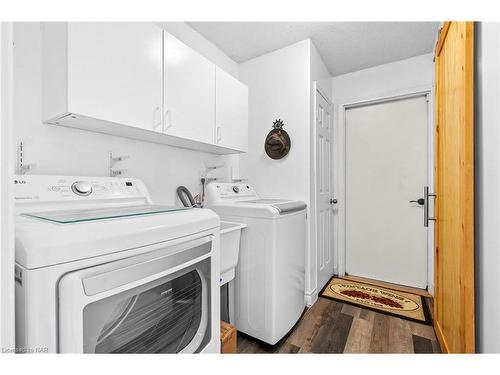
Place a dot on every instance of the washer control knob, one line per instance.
(81, 188)
(236, 189)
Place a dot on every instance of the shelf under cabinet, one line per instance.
(78, 121)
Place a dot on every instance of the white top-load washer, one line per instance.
(269, 283)
(100, 268)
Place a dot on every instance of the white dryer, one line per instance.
(269, 284)
(100, 269)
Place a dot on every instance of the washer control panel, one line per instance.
(224, 191)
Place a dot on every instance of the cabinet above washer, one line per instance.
(189, 92)
(231, 111)
(133, 79)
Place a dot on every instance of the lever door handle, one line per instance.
(420, 201)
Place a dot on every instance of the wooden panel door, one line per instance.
(454, 229)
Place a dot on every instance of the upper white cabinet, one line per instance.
(231, 112)
(137, 81)
(113, 72)
(189, 91)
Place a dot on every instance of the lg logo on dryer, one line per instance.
(23, 182)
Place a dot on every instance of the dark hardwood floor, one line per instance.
(334, 327)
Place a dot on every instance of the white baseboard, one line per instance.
(311, 298)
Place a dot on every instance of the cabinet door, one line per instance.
(115, 72)
(231, 112)
(189, 91)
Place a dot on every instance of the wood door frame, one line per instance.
(340, 168)
(468, 210)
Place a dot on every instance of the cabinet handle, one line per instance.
(168, 120)
(219, 134)
(156, 123)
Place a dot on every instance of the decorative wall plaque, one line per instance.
(277, 144)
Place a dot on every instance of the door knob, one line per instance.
(333, 201)
(420, 201)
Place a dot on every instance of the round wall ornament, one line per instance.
(277, 144)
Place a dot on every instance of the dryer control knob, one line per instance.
(81, 188)
(236, 189)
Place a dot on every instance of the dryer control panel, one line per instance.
(218, 192)
(37, 188)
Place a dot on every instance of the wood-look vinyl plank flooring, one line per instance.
(334, 327)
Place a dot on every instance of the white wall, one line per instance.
(384, 80)
(401, 77)
(278, 85)
(198, 42)
(58, 150)
(487, 187)
(319, 71)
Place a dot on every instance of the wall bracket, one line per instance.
(22, 167)
(112, 161)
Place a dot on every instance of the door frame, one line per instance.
(314, 289)
(340, 168)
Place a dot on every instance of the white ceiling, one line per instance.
(344, 46)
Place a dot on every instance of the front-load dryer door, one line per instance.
(157, 303)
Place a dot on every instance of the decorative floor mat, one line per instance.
(392, 302)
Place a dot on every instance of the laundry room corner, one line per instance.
(281, 87)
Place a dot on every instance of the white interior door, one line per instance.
(386, 168)
(324, 189)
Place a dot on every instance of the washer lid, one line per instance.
(260, 208)
(44, 242)
(283, 206)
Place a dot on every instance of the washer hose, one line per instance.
(183, 193)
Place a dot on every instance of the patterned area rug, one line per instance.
(402, 304)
